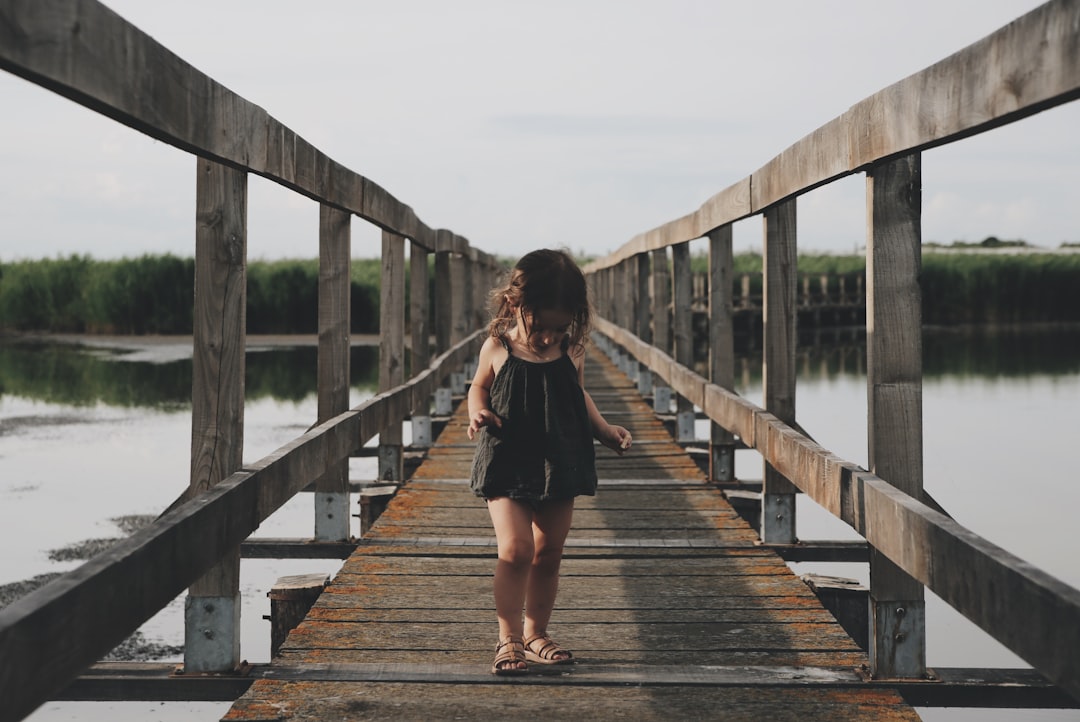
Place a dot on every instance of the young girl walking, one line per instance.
(536, 425)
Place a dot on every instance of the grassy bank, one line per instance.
(153, 294)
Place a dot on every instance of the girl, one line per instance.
(536, 425)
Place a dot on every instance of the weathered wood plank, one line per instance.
(487, 700)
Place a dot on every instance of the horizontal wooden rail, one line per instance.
(51, 635)
(87, 53)
(1029, 611)
(1025, 67)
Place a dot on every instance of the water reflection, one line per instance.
(74, 375)
(1011, 352)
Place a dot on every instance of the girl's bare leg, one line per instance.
(550, 525)
(513, 533)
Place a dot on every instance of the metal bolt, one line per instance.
(208, 633)
(900, 611)
(900, 637)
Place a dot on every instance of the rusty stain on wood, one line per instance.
(636, 593)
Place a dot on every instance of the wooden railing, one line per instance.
(645, 298)
(89, 54)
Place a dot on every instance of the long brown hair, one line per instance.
(543, 280)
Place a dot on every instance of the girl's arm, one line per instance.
(613, 436)
(480, 413)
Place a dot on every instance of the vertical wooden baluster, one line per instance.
(644, 320)
(682, 322)
(661, 297)
(721, 347)
(778, 372)
(212, 607)
(894, 398)
(335, 251)
(420, 332)
(391, 349)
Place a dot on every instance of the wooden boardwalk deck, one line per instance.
(670, 608)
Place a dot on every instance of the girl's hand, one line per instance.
(483, 417)
(616, 438)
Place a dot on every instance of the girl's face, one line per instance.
(546, 328)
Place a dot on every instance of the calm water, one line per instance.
(91, 434)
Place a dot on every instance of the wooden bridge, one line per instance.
(673, 602)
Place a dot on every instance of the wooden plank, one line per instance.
(488, 699)
(953, 687)
(894, 399)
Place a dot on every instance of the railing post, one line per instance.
(335, 252)
(419, 329)
(618, 309)
(443, 322)
(391, 349)
(460, 300)
(661, 316)
(212, 607)
(644, 320)
(894, 398)
(721, 347)
(682, 316)
(778, 372)
(633, 304)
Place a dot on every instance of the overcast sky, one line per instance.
(575, 123)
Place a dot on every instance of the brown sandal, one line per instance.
(541, 649)
(509, 653)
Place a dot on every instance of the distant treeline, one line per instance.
(153, 293)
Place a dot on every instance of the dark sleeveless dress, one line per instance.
(544, 450)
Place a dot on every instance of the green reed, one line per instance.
(153, 294)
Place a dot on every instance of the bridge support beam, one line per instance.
(778, 371)
(212, 608)
(894, 398)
